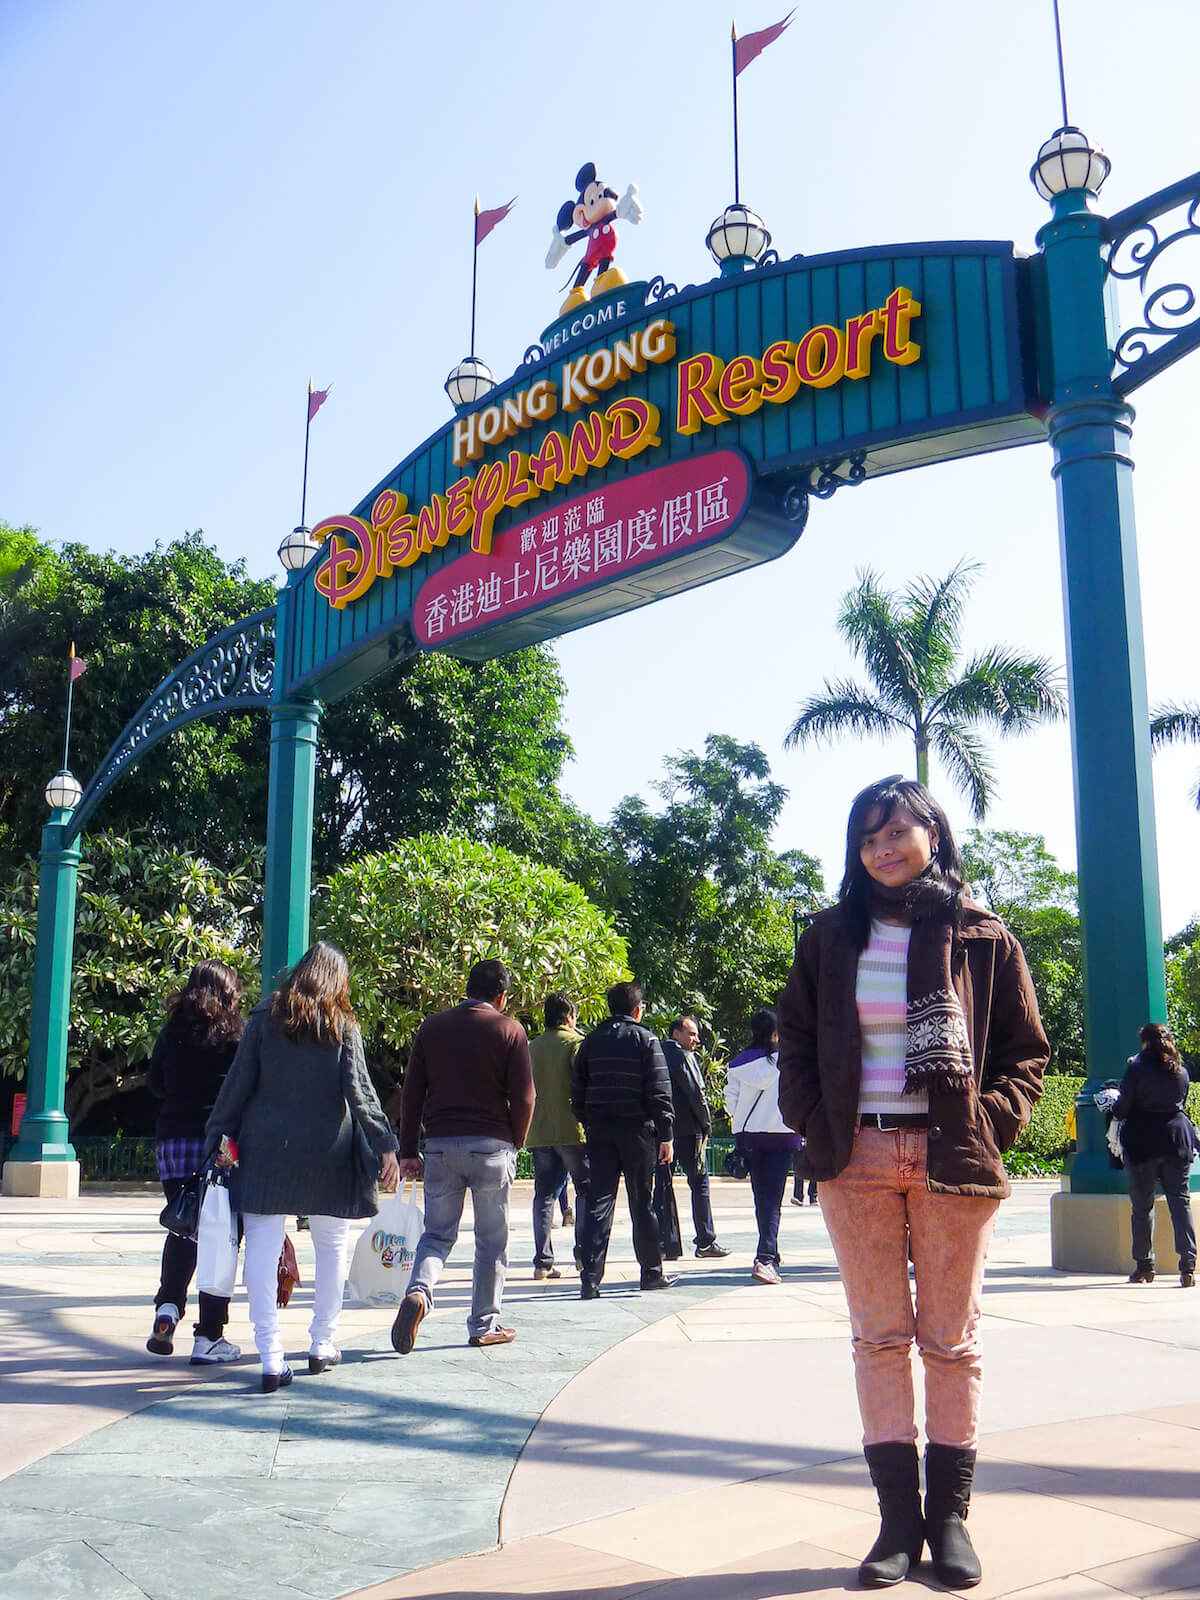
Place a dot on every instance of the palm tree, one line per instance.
(909, 645)
(1171, 724)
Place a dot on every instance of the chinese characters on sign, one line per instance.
(631, 524)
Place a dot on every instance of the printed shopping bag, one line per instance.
(216, 1239)
(383, 1256)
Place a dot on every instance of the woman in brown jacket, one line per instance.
(910, 1057)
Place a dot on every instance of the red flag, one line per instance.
(78, 666)
(316, 399)
(745, 50)
(485, 221)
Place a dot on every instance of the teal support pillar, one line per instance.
(42, 1162)
(290, 804)
(1090, 430)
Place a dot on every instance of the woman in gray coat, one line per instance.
(310, 1137)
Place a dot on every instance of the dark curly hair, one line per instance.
(207, 1010)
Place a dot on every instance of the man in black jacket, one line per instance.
(621, 1093)
(693, 1124)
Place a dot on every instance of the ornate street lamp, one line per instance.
(469, 381)
(63, 792)
(737, 239)
(1069, 160)
(298, 549)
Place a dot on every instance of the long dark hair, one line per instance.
(207, 1010)
(873, 806)
(764, 1025)
(1158, 1046)
(313, 1001)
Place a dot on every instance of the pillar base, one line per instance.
(42, 1180)
(1093, 1233)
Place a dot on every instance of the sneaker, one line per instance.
(540, 1274)
(797, 1202)
(211, 1352)
(711, 1252)
(162, 1340)
(765, 1272)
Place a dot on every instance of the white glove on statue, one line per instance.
(629, 207)
(557, 250)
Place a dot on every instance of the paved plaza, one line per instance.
(695, 1445)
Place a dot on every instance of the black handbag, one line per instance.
(736, 1165)
(182, 1214)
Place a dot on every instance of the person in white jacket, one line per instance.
(752, 1101)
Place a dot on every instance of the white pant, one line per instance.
(264, 1241)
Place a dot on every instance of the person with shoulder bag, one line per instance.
(187, 1067)
(764, 1142)
(1157, 1145)
(296, 1094)
(911, 1055)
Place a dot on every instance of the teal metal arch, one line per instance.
(232, 671)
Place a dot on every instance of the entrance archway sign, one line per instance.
(655, 439)
(607, 471)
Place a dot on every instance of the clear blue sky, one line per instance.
(207, 205)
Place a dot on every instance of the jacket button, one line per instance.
(935, 1132)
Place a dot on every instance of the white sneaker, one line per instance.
(209, 1352)
(765, 1272)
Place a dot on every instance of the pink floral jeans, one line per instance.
(874, 1210)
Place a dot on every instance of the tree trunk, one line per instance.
(922, 744)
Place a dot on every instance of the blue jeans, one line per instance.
(769, 1172)
(452, 1166)
(551, 1166)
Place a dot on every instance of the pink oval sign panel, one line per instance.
(636, 522)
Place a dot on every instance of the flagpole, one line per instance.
(474, 267)
(307, 426)
(1062, 76)
(736, 183)
(70, 694)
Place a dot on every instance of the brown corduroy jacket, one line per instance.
(820, 1054)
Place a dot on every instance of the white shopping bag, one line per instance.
(216, 1240)
(383, 1256)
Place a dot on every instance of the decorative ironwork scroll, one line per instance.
(1170, 324)
(659, 289)
(232, 671)
(820, 482)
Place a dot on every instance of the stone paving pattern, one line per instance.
(696, 1445)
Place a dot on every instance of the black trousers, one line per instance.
(178, 1268)
(687, 1153)
(614, 1153)
(1144, 1177)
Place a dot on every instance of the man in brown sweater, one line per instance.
(469, 1082)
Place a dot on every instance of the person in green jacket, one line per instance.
(555, 1137)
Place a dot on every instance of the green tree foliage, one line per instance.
(436, 745)
(1183, 991)
(445, 746)
(706, 902)
(146, 914)
(414, 919)
(1020, 880)
(909, 645)
(133, 620)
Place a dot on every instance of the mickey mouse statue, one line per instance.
(593, 212)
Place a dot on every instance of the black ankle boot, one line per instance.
(949, 1474)
(896, 1473)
